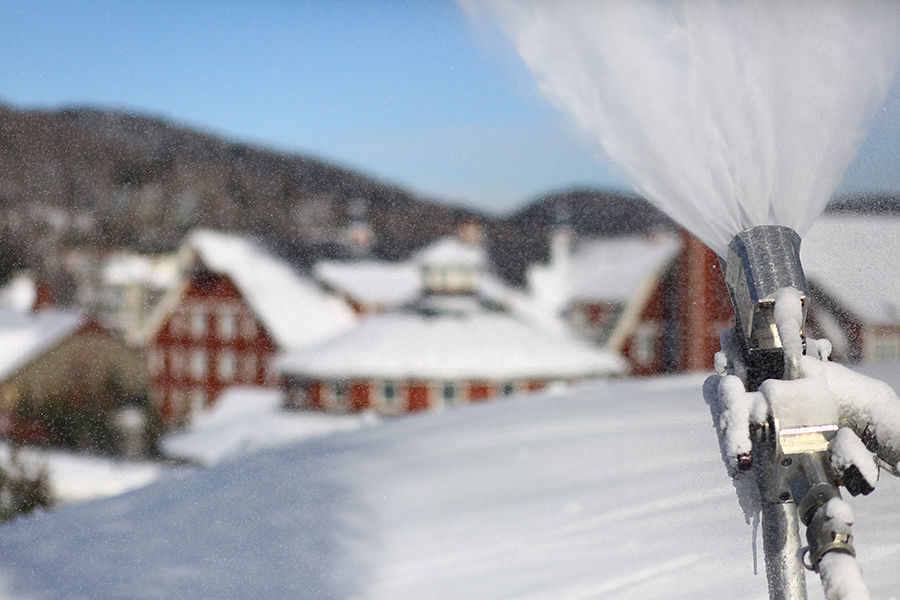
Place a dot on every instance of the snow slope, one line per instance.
(248, 419)
(614, 490)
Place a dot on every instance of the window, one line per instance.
(389, 392)
(157, 361)
(198, 400)
(227, 325)
(198, 364)
(176, 362)
(270, 377)
(339, 393)
(227, 365)
(644, 344)
(178, 400)
(248, 326)
(448, 393)
(248, 367)
(885, 348)
(176, 323)
(508, 388)
(198, 323)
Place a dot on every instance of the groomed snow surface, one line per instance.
(610, 490)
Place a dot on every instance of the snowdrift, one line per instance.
(614, 490)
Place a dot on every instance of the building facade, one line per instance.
(449, 347)
(657, 301)
(61, 365)
(209, 341)
(662, 307)
(235, 307)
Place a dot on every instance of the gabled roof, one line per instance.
(856, 260)
(294, 310)
(372, 282)
(612, 270)
(25, 336)
(463, 342)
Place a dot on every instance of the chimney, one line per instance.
(45, 296)
(470, 231)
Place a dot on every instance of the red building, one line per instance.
(450, 346)
(684, 315)
(235, 308)
(659, 302)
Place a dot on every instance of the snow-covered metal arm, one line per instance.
(795, 420)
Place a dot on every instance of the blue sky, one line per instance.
(406, 91)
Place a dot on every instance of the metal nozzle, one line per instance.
(761, 261)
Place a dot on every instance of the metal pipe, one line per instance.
(781, 544)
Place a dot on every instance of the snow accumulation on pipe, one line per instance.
(867, 407)
(848, 451)
(840, 573)
(789, 320)
(870, 408)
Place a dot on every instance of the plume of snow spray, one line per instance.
(725, 114)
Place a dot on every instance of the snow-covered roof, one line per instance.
(25, 336)
(126, 269)
(293, 309)
(390, 284)
(460, 343)
(451, 251)
(856, 260)
(493, 288)
(611, 270)
(19, 294)
(372, 282)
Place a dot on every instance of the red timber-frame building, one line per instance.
(234, 309)
(658, 301)
(663, 304)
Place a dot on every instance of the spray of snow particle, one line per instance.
(726, 115)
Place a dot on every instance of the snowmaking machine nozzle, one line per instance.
(762, 260)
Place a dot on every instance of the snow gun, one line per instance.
(802, 425)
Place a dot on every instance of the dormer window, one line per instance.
(451, 279)
(452, 266)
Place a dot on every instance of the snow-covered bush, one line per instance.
(24, 488)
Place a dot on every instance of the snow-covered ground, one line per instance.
(613, 490)
(79, 477)
(246, 420)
